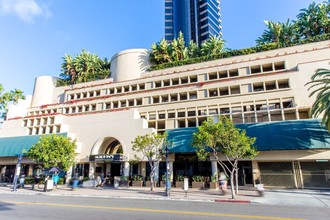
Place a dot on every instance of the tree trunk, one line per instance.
(152, 181)
(236, 180)
(233, 195)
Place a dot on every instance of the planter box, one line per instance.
(198, 185)
(148, 183)
(214, 185)
(179, 184)
(123, 183)
(137, 183)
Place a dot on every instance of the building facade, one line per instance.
(198, 20)
(263, 93)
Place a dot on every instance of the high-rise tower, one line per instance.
(198, 20)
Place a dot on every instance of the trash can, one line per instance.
(75, 183)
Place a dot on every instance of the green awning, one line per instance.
(13, 146)
(282, 135)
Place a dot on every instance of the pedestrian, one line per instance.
(102, 179)
(55, 179)
(21, 181)
(223, 182)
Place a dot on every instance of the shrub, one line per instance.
(137, 178)
(197, 179)
(214, 178)
(179, 177)
(29, 180)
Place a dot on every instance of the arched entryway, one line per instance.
(108, 157)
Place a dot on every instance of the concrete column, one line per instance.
(30, 170)
(68, 175)
(143, 170)
(171, 170)
(214, 166)
(126, 169)
(255, 171)
(3, 170)
(107, 168)
(91, 172)
(156, 177)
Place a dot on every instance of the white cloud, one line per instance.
(26, 10)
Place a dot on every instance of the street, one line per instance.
(45, 207)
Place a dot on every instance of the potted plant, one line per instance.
(214, 184)
(162, 182)
(137, 181)
(148, 182)
(179, 181)
(123, 181)
(198, 182)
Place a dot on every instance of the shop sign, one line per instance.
(108, 157)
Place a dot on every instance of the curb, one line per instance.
(233, 201)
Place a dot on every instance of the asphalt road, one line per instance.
(65, 208)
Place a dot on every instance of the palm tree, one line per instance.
(193, 50)
(213, 46)
(8, 97)
(321, 85)
(84, 67)
(179, 51)
(281, 34)
(314, 20)
(160, 52)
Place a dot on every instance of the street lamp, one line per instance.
(17, 171)
(167, 182)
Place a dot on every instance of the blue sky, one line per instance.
(36, 34)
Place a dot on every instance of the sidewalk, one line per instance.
(292, 197)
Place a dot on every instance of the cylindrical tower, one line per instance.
(129, 64)
(43, 91)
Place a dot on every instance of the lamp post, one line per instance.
(167, 182)
(17, 171)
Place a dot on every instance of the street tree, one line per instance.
(151, 147)
(9, 97)
(224, 138)
(54, 151)
(320, 86)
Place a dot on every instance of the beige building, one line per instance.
(261, 89)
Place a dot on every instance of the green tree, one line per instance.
(193, 50)
(161, 52)
(320, 83)
(314, 20)
(213, 46)
(54, 151)
(223, 137)
(179, 51)
(9, 97)
(150, 146)
(84, 67)
(281, 34)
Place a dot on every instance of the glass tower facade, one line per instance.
(198, 20)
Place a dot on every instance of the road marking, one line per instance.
(156, 211)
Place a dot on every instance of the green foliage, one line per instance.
(224, 137)
(84, 67)
(320, 83)
(314, 20)
(179, 177)
(61, 181)
(281, 34)
(123, 178)
(198, 178)
(312, 25)
(28, 180)
(214, 178)
(54, 150)
(137, 178)
(9, 97)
